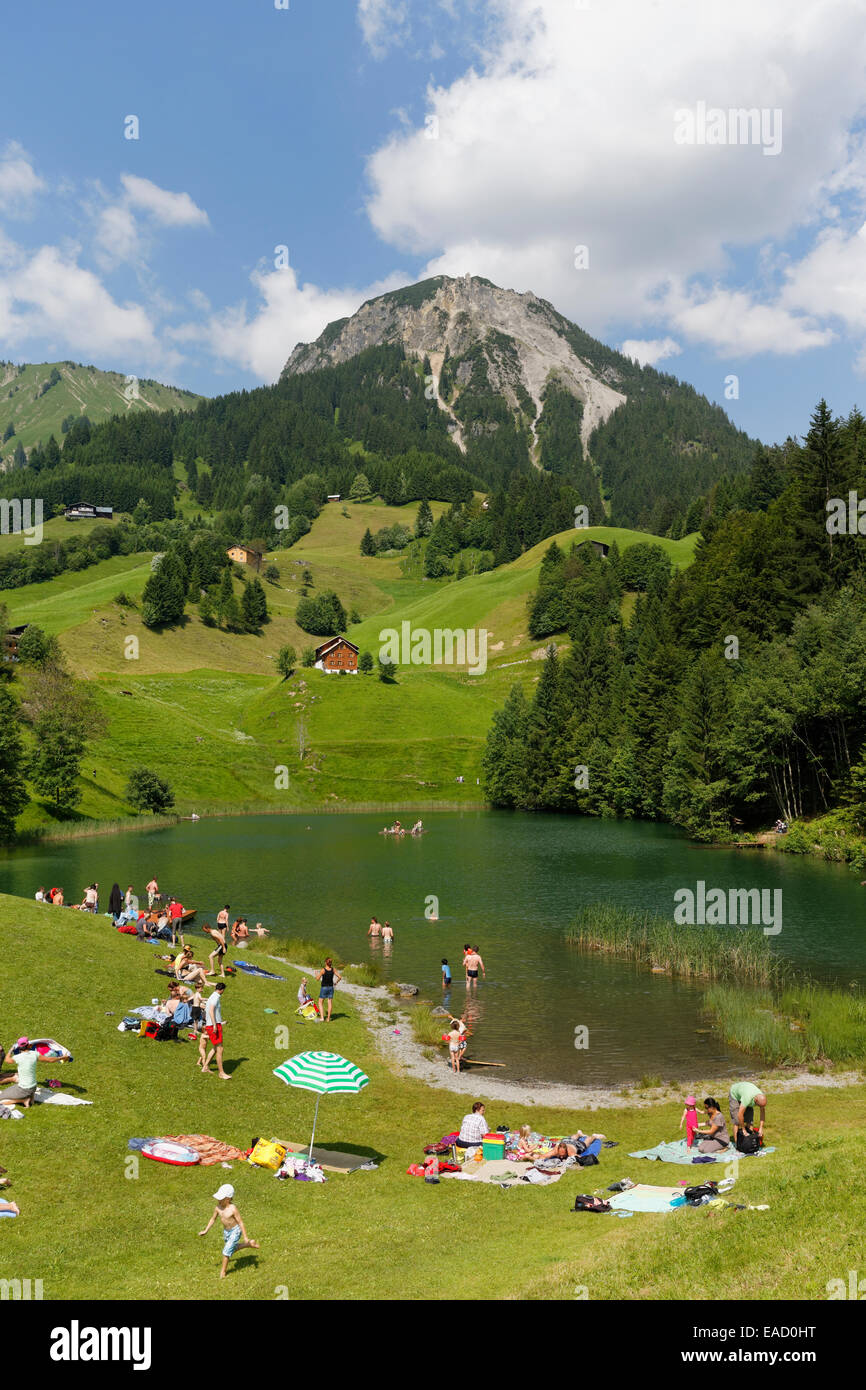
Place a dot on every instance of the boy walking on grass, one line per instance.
(234, 1232)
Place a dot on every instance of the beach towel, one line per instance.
(500, 1170)
(47, 1049)
(150, 1012)
(45, 1097)
(256, 970)
(644, 1197)
(679, 1152)
(209, 1150)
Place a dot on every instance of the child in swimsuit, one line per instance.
(234, 1232)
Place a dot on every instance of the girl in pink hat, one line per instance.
(689, 1118)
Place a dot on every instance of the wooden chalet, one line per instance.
(86, 511)
(337, 655)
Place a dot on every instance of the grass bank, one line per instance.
(691, 952)
(117, 1228)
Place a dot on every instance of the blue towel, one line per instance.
(257, 970)
(679, 1152)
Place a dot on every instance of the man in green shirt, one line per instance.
(743, 1098)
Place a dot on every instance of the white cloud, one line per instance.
(19, 182)
(47, 296)
(384, 23)
(649, 351)
(287, 313)
(563, 135)
(167, 209)
(735, 324)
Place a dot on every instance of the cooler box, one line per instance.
(493, 1146)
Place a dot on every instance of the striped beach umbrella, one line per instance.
(322, 1072)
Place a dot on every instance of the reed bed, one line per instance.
(693, 952)
(427, 1028)
(799, 1025)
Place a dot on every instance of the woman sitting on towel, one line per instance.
(185, 968)
(714, 1132)
(24, 1088)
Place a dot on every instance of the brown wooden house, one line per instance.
(337, 654)
(242, 555)
(13, 637)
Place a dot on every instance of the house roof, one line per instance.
(334, 642)
(247, 549)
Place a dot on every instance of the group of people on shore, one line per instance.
(710, 1135)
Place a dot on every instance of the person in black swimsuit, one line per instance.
(328, 979)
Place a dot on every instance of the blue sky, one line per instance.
(553, 126)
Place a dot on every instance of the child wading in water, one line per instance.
(233, 1226)
(689, 1118)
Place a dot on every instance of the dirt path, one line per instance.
(405, 1057)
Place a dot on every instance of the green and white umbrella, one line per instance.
(322, 1072)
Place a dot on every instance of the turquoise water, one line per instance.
(509, 883)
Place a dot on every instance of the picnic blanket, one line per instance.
(644, 1197)
(503, 1170)
(678, 1152)
(209, 1150)
(257, 970)
(150, 1012)
(45, 1097)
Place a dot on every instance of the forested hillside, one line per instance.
(40, 401)
(737, 692)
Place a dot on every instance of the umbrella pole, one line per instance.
(315, 1118)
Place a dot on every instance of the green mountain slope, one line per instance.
(208, 708)
(37, 397)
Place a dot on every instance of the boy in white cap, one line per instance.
(233, 1226)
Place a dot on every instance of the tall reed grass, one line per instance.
(694, 952)
(795, 1026)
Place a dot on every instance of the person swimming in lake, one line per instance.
(375, 927)
(387, 934)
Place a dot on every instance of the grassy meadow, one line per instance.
(98, 1224)
(208, 707)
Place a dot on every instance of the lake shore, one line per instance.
(404, 1056)
(80, 830)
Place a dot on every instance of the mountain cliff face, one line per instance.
(511, 344)
(519, 384)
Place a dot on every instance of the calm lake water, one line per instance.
(511, 884)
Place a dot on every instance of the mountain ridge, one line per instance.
(37, 398)
(503, 363)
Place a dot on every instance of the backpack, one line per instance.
(167, 1031)
(584, 1203)
(698, 1194)
(586, 1160)
(748, 1142)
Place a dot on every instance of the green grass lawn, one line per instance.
(207, 707)
(97, 1225)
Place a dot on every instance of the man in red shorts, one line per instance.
(213, 1034)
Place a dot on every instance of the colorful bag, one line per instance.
(268, 1154)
